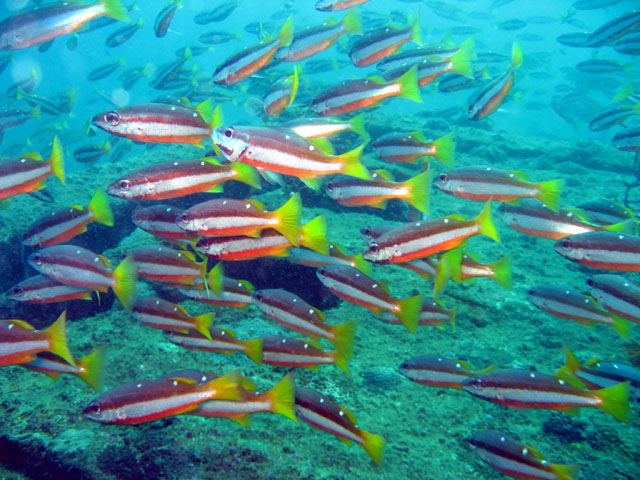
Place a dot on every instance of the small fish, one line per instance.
(158, 313)
(609, 119)
(421, 239)
(164, 18)
(415, 55)
(337, 256)
(312, 40)
(354, 286)
(160, 123)
(628, 45)
(293, 312)
(281, 94)
(562, 302)
(326, 127)
(179, 178)
(218, 14)
(247, 62)
(20, 342)
(576, 39)
(160, 220)
(436, 371)
(222, 291)
(163, 264)
(606, 250)
(91, 153)
(617, 294)
(221, 340)
(410, 147)
(597, 65)
(335, 5)
(498, 271)
(123, 34)
(42, 23)
(323, 413)
(481, 183)
(352, 95)
(512, 24)
(105, 70)
(90, 369)
(79, 267)
(354, 192)
(432, 313)
(378, 44)
(611, 31)
(217, 37)
(290, 352)
(520, 388)
(147, 400)
(168, 72)
(488, 100)
(42, 289)
(516, 459)
(228, 217)
(11, 118)
(62, 225)
(627, 140)
(28, 172)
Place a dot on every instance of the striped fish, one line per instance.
(611, 31)
(617, 294)
(436, 371)
(42, 289)
(606, 250)
(163, 264)
(432, 313)
(158, 313)
(290, 352)
(281, 94)
(378, 44)
(410, 147)
(221, 340)
(160, 220)
(90, 368)
(335, 5)
(627, 140)
(326, 127)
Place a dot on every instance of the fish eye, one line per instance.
(184, 218)
(374, 248)
(590, 282)
(229, 132)
(330, 187)
(366, 231)
(442, 177)
(477, 383)
(566, 244)
(322, 272)
(37, 258)
(258, 296)
(17, 291)
(94, 407)
(112, 118)
(124, 184)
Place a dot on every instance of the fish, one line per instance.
(519, 388)
(42, 289)
(229, 292)
(352, 95)
(412, 56)
(576, 39)
(417, 240)
(291, 311)
(163, 264)
(160, 123)
(481, 183)
(178, 178)
(280, 351)
(59, 226)
(335, 5)
(616, 294)
(336, 256)
(606, 250)
(90, 368)
(323, 413)
(432, 313)
(538, 220)
(627, 140)
(611, 31)
(280, 399)
(628, 45)
(242, 65)
(411, 147)
(42, 23)
(281, 94)
(517, 460)
(168, 72)
(105, 70)
(282, 151)
(313, 40)
(354, 192)
(164, 18)
(512, 24)
(123, 34)
(91, 153)
(488, 100)
(160, 220)
(563, 302)
(326, 127)
(28, 172)
(498, 271)
(12, 118)
(354, 286)
(597, 65)
(158, 313)
(20, 341)
(313, 235)
(375, 45)
(218, 14)
(436, 371)
(79, 267)
(217, 37)
(142, 401)
(221, 340)
(228, 217)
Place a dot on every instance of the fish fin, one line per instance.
(56, 160)
(461, 61)
(357, 125)
(409, 87)
(455, 259)
(205, 110)
(384, 174)
(571, 362)
(243, 420)
(57, 334)
(227, 387)
(445, 148)
(502, 272)
(373, 444)
(340, 360)
(409, 313)
(125, 276)
(419, 188)
(352, 163)
(565, 472)
(215, 279)
(615, 401)
(313, 183)
(288, 217)
(361, 264)
(343, 336)
(247, 174)
(285, 37)
(415, 30)
(549, 192)
(217, 119)
(294, 83)
(628, 226)
(442, 277)
(624, 92)
(516, 55)
(486, 225)
(203, 324)
(99, 208)
(253, 350)
(93, 368)
(115, 9)
(36, 112)
(324, 145)
(351, 22)
(314, 235)
(621, 325)
(23, 324)
(282, 397)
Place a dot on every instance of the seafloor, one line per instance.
(44, 435)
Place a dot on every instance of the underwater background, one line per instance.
(541, 128)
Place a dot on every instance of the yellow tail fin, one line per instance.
(99, 208)
(57, 334)
(253, 350)
(125, 277)
(289, 219)
(615, 401)
(282, 397)
(486, 224)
